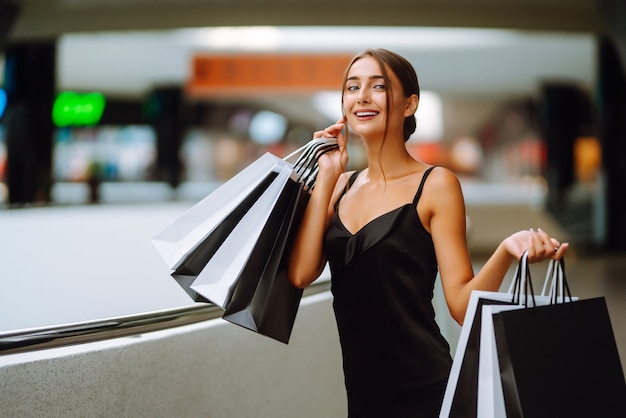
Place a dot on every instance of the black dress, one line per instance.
(396, 362)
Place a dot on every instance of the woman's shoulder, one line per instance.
(344, 178)
(442, 184)
(341, 185)
(442, 176)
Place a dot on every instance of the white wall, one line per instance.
(212, 369)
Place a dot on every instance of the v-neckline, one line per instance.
(353, 177)
(352, 234)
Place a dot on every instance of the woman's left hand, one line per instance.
(539, 244)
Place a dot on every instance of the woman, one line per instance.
(385, 232)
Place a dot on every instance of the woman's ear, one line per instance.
(411, 105)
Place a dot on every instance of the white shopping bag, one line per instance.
(181, 237)
(220, 273)
(490, 402)
(188, 243)
(223, 208)
(461, 395)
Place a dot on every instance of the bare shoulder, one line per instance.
(441, 199)
(342, 181)
(442, 178)
(340, 186)
(442, 190)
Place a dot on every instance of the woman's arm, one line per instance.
(307, 256)
(447, 226)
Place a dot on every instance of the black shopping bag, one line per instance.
(220, 210)
(461, 398)
(193, 239)
(192, 264)
(195, 261)
(223, 269)
(263, 300)
(490, 393)
(245, 273)
(560, 360)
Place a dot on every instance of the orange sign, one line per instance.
(262, 73)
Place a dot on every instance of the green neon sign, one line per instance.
(74, 109)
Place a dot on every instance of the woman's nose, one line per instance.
(363, 96)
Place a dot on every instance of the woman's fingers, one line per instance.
(335, 161)
(333, 131)
(560, 251)
(541, 246)
(535, 246)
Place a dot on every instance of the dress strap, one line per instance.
(419, 190)
(345, 189)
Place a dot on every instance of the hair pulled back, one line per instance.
(405, 72)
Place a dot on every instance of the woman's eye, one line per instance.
(379, 86)
(352, 88)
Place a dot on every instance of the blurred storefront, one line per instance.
(179, 141)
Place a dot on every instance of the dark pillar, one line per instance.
(30, 86)
(9, 11)
(164, 109)
(611, 102)
(564, 114)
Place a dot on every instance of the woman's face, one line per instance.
(365, 100)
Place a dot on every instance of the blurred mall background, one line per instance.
(115, 116)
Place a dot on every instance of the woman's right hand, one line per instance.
(307, 255)
(335, 162)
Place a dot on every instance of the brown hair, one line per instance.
(405, 72)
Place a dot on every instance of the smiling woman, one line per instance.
(388, 232)
(95, 264)
(130, 63)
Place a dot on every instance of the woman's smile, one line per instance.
(365, 114)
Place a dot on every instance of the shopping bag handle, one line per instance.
(310, 179)
(310, 156)
(519, 276)
(307, 156)
(556, 278)
(304, 151)
(522, 283)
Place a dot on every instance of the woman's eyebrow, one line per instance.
(372, 77)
